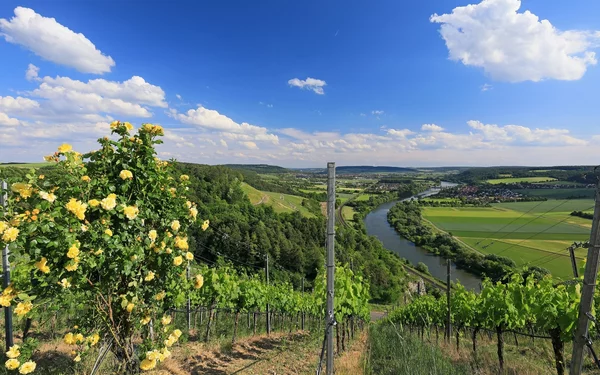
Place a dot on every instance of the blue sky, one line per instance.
(301, 83)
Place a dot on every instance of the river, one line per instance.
(378, 226)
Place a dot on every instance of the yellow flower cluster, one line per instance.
(175, 225)
(50, 197)
(184, 177)
(149, 276)
(153, 129)
(109, 202)
(165, 320)
(72, 339)
(7, 296)
(198, 281)
(23, 308)
(173, 337)
(131, 212)
(153, 358)
(24, 190)
(13, 352)
(160, 296)
(42, 265)
(152, 235)
(126, 174)
(13, 363)
(76, 207)
(193, 212)
(115, 124)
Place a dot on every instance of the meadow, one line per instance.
(281, 203)
(529, 233)
(512, 180)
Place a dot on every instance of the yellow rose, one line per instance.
(109, 202)
(114, 125)
(76, 207)
(86, 179)
(128, 126)
(73, 250)
(166, 320)
(108, 232)
(177, 333)
(65, 147)
(77, 359)
(42, 266)
(69, 339)
(79, 337)
(145, 320)
(184, 177)
(13, 352)
(65, 283)
(165, 353)
(173, 191)
(130, 307)
(93, 202)
(131, 212)
(168, 250)
(175, 225)
(50, 197)
(23, 308)
(126, 174)
(3, 226)
(160, 296)
(147, 364)
(181, 243)
(199, 281)
(189, 256)
(5, 301)
(149, 276)
(93, 340)
(24, 190)
(205, 225)
(12, 364)
(178, 260)
(71, 267)
(27, 368)
(193, 212)
(152, 235)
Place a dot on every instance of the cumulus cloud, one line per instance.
(431, 128)
(313, 84)
(212, 120)
(515, 46)
(223, 143)
(377, 113)
(7, 121)
(516, 134)
(178, 96)
(249, 145)
(54, 42)
(401, 133)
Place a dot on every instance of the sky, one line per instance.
(301, 83)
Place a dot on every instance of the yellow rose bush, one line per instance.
(109, 234)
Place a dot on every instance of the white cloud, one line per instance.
(516, 134)
(486, 87)
(249, 145)
(213, 120)
(7, 121)
(402, 133)
(18, 105)
(54, 42)
(223, 143)
(377, 113)
(512, 46)
(431, 128)
(313, 84)
(178, 96)
(32, 73)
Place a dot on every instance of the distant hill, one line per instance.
(258, 168)
(372, 169)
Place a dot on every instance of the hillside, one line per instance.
(281, 203)
(258, 168)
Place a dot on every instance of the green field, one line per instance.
(280, 202)
(557, 193)
(519, 179)
(28, 165)
(530, 233)
(363, 197)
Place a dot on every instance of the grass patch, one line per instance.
(348, 213)
(28, 165)
(558, 193)
(281, 203)
(394, 352)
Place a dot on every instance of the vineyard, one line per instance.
(100, 256)
(534, 308)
